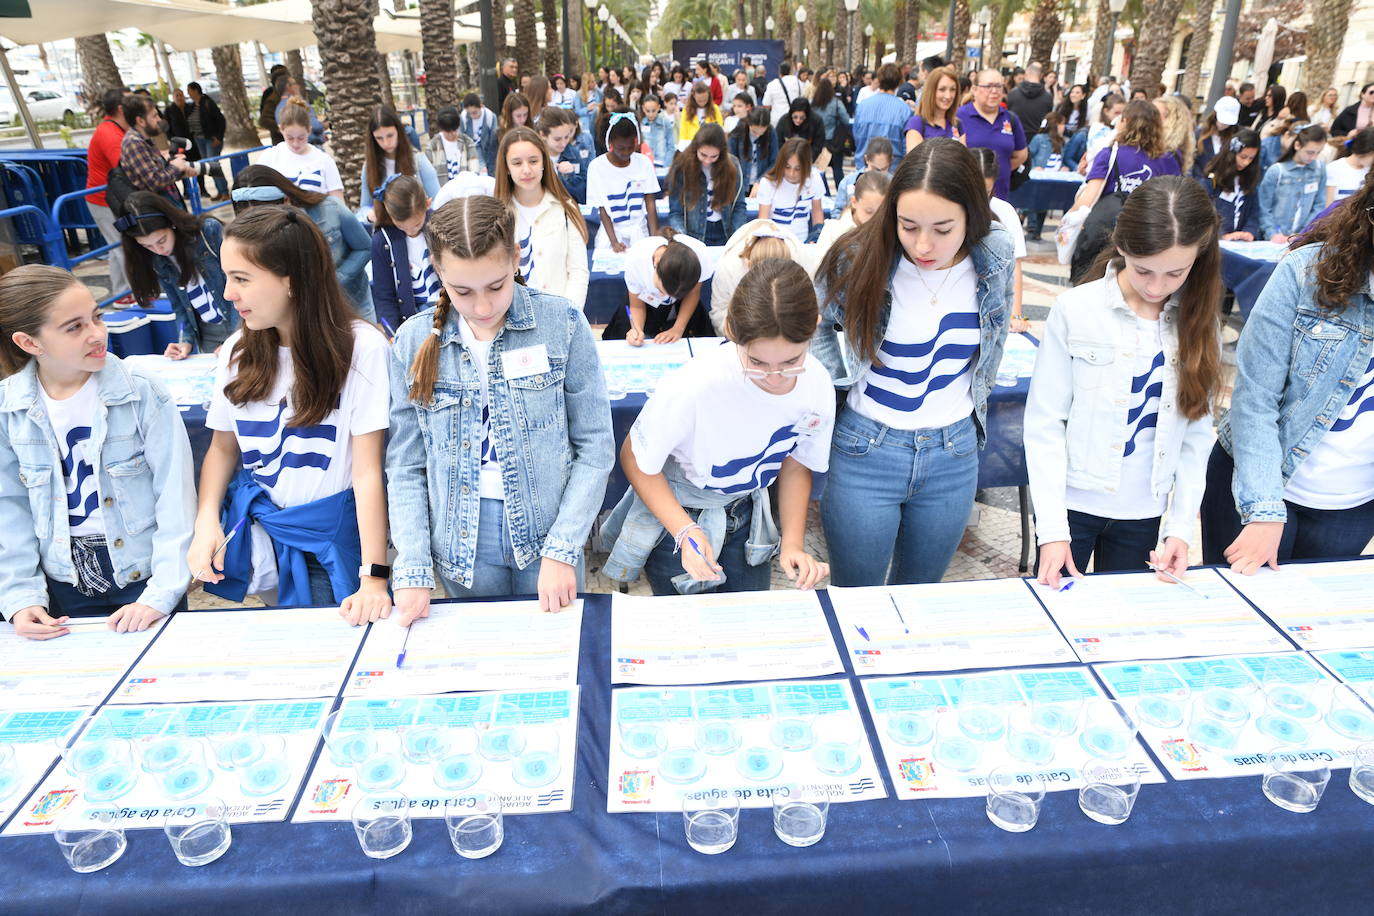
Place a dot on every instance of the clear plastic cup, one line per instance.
(1294, 778)
(384, 769)
(1026, 741)
(165, 753)
(1218, 717)
(953, 748)
(794, 712)
(982, 710)
(1362, 772)
(90, 837)
(476, 828)
(199, 833)
(382, 824)
(1162, 698)
(909, 715)
(539, 764)
(1056, 708)
(103, 764)
(799, 815)
(505, 738)
(839, 745)
(350, 737)
(1348, 715)
(1014, 798)
(268, 771)
(461, 766)
(190, 777)
(717, 733)
(682, 762)
(1108, 729)
(642, 719)
(711, 823)
(424, 743)
(1109, 791)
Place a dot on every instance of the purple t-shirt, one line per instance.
(918, 123)
(1133, 168)
(1003, 136)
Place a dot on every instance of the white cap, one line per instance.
(1227, 110)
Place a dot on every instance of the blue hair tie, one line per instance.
(381, 191)
(621, 116)
(262, 195)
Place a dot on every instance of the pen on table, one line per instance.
(862, 632)
(400, 659)
(86, 622)
(1175, 579)
(220, 548)
(905, 628)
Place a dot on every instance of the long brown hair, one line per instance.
(26, 294)
(799, 147)
(550, 182)
(775, 298)
(513, 103)
(401, 198)
(1161, 213)
(686, 173)
(689, 109)
(284, 241)
(927, 110)
(536, 93)
(374, 164)
(154, 212)
(469, 228)
(859, 264)
(264, 176)
(1143, 128)
(1347, 254)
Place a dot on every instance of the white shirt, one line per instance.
(641, 273)
(489, 476)
(524, 232)
(298, 465)
(727, 433)
(451, 156)
(1134, 497)
(864, 92)
(312, 170)
(1344, 177)
(924, 379)
(71, 421)
(1005, 214)
(778, 96)
(621, 192)
(477, 126)
(564, 99)
(1339, 474)
(424, 282)
(791, 203)
(202, 300)
(712, 214)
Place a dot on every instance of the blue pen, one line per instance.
(400, 659)
(699, 553)
(905, 628)
(386, 324)
(862, 632)
(1175, 579)
(1066, 585)
(220, 548)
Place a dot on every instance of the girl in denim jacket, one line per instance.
(96, 498)
(1119, 416)
(1294, 188)
(1291, 477)
(501, 431)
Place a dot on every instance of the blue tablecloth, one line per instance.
(1045, 194)
(1245, 277)
(607, 294)
(1215, 846)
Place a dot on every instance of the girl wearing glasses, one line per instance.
(1290, 477)
(714, 436)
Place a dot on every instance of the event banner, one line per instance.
(728, 55)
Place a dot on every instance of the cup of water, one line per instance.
(1348, 715)
(475, 827)
(382, 823)
(268, 771)
(165, 753)
(794, 712)
(1362, 772)
(1056, 708)
(910, 715)
(642, 719)
(189, 778)
(1026, 741)
(199, 833)
(1218, 717)
(424, 743)
(1109, 791)
(712, 822)
(799, 815)
(461, 766)
(1108, 729)
(504, 739)
(1295, 778)
(716, 731)
(1014, 798)
(384, 768)
(90, 837)
(350, 737)
(1162, 698)
(539, 763)
(104, 764)
(839, 745)
(954, 749)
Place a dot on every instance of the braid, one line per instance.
(425, 369)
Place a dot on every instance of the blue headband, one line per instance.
(621, 116)
(264, 194)
(379, 192)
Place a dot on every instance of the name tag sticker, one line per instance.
(1310, 188)
(525, 361)
(809, 425)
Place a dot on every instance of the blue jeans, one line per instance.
(206, 147)
(494, 573)
(714, 234)
(67, 601)
(1113, 544)
(897, 498)
(663, 563)
(1309, 534)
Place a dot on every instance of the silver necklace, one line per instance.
(934, 293)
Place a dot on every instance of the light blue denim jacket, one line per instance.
(1290, 195)
(693, 221)
(661, 135)
(1296, 366)
(144, 480)
(552, 433)
(992, 262)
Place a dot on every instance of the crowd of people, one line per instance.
(450, 411)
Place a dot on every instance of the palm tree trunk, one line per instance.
(474, 69)
(382, 68)
(553, 39)
(1198, 46)
(1045, 27)
(963, 22)
(1154, 40)
(1330, 20)
(813, 36)
(436, 44)
(348, 53)
(898, 29)
(498, 28)
(240, 129)
(295, 65)
(576, 43)
(526, 38)
(997, 35)
(98, 69)
(1102, 41)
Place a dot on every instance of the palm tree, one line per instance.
(1325, 37)
(1198, 46)
(295, 65)
(813, 35)
(963, 22)
(526, 37)
(436, 44)
(1102, 38)
(997, 35)
(348, 54)
(1154, 39)
(899, 27)
(240, 128)
(1045, 26)
(99, 71)
(553, 43)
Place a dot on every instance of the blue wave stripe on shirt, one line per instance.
(1139, 381)
(764, 474)
(1154, 391)
(898, 402)
(75, 436)
(731, 468)
(1149, 421)
(963, 352)
(954, 321)
(1345, 423)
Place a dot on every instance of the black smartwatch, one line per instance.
(375, 571)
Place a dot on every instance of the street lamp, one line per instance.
(850, 7)
(749, 29)
(984, 20)
(801, 32)
(591, 33)
(868, 36)
(1116, 6)
(602, 14)
(770, 23)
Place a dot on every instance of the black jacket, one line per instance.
(1030, 102)
(812, 130)
(1345, 121)
(212, 122)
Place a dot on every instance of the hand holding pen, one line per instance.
(698, 561)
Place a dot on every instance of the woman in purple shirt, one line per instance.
(935, 115)
(1140, 155)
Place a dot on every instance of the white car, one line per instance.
(48, 105)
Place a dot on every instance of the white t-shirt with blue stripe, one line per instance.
(424, 282)
(71, 420)
(791, 202)
(1339, 474)
(312, 170)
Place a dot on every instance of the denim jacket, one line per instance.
(144, 480)
(1076, 418)
(575, 182)
(206, 255)
(351, 248)
(1290, 195)
(392, 294)
(551, 431)
(693, 221)
(486, 147)
(661, 135)
(1296, 366)
(992, 262)
(631, 531)
(744, 148)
